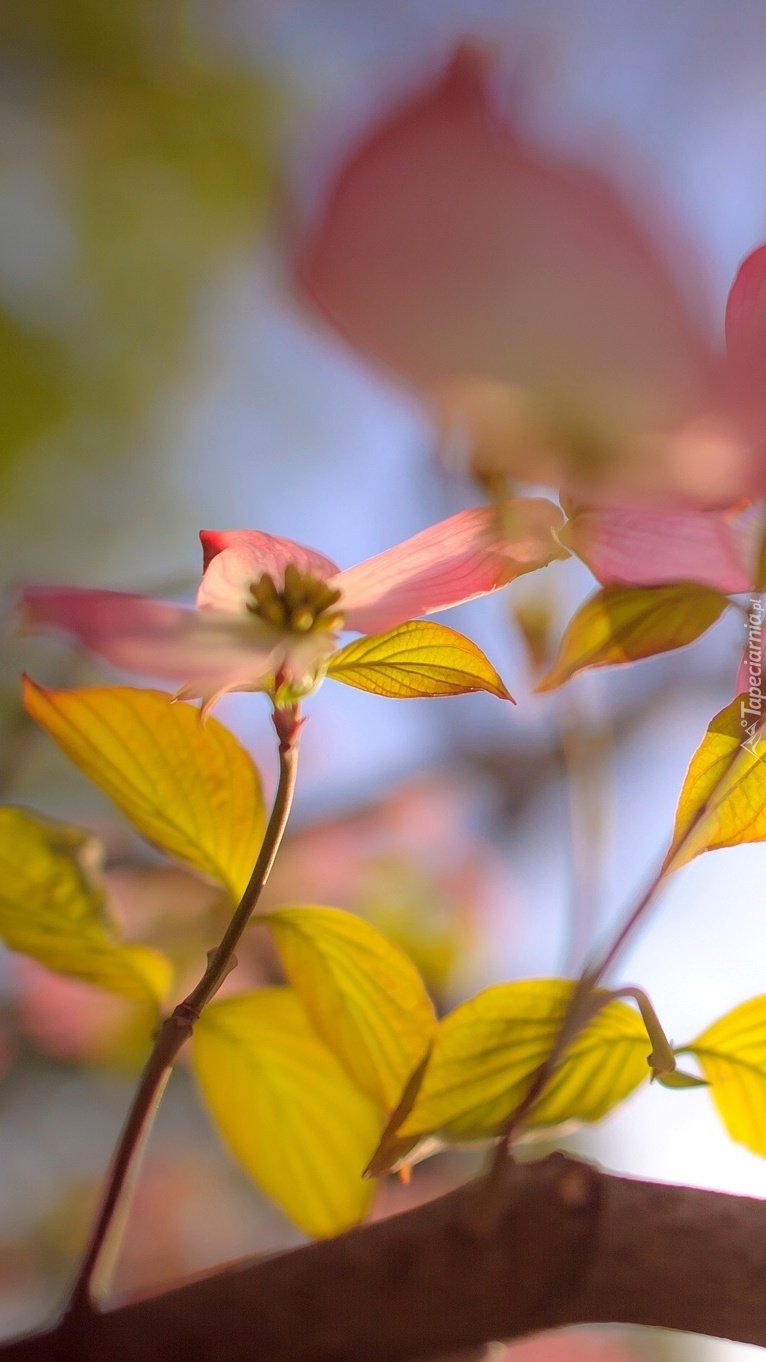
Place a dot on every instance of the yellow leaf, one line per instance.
(364, 996)
(189, 787)
(625, 623)
(487, 1050)
(723, 800)
(52, 908)
(286, 1108)
(416, 659)
(732, 1056)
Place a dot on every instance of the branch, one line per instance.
(550, 1243)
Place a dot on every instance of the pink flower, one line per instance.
(518, 294)
(268, 610)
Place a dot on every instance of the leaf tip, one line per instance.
(389, 1157)
(30, 692)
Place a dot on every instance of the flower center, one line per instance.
(304, 602)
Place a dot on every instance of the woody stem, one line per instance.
(96, 1268)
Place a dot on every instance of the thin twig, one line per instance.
(584, 1002)
(96, 1268)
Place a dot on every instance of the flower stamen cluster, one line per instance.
(303, 604)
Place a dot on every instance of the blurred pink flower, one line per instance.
(72, 1020)
(521, 297)
(268, 610)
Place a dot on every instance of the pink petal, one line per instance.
(156, 639)
(746, 314)
(233, 559)
(639, 547)
(468, 555)
(746, 351)
(452, 252)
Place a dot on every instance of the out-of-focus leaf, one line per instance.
(31, 366)
(534, 615)
(677, 1079)
(363, 995)
(134, 167)
(416, 659)
(732, 1056)
(487, 1050)
(189, 787)
(52, 908)
(286, 1108)
(625, 623)
(723, 800)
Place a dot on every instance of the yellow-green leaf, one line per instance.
(732, 1056)
(189, 787)
(52, 908)
(723, 800)
(625, 623)
(363, 995)
(487, 1050)
(416, 659)
(678, 1079)
(286, 1108)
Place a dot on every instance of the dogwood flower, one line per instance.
(269, 611)
(518, 295)
(534, 312)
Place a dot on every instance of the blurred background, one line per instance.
(158, 377)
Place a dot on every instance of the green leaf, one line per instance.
(487, 1050)
(52, 908)
(416, 659)
(625, 623)
(364, 996)
(732, 1056)
(286, 1108)
(189, 787)
(723, 799)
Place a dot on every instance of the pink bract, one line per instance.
(212, 651)
(233, 559)
(746, 352)
(638, 547)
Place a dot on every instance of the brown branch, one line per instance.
(551, 1243)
